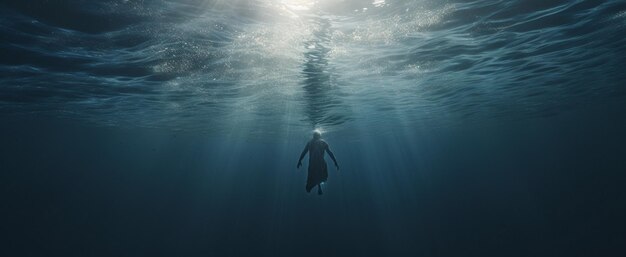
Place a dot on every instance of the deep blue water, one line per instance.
(172, 128)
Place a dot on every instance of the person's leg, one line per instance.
(319, 189)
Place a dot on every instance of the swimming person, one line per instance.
(318, 172)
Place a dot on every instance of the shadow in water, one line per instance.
(322, 104)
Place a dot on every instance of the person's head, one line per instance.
(317, 134)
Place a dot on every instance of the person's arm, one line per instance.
(306, 149)
(332, 156)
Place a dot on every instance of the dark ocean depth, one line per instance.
(173, 128)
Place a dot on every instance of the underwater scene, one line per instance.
(313, 128)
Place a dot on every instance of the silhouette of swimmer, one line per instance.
(318, 172)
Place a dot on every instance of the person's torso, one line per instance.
(316, 149)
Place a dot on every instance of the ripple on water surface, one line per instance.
(267, 64)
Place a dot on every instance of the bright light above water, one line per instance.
(378, 3)
(298, 5)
